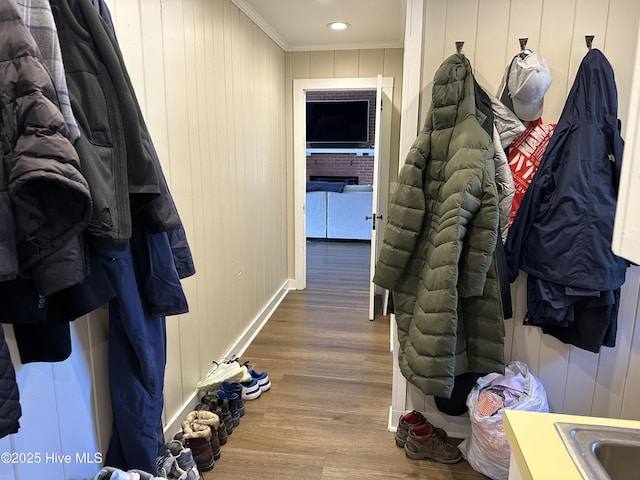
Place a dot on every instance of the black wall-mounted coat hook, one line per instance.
(524, 51)
(589, 40)
(459, 46)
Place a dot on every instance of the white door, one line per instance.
(380, 181)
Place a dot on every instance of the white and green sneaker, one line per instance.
(230, 371)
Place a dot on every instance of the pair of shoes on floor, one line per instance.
(220, 406)
(229, 370)
(184, 459)
(167, 466)
(112, 473)
(422, 440)
(200, 435)
(230, 394)
(208, 419)
(255, 387)
(249, 390)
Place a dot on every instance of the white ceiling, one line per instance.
(301, 25)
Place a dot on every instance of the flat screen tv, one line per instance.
(337, 122)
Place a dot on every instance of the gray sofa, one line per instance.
(340, 215)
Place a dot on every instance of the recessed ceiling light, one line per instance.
(338, 25)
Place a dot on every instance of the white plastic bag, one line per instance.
(488, 451)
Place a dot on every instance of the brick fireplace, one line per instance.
(352, 163)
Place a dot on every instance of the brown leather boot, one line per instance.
(410, 420)
(431, 446)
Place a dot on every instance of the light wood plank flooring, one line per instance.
(326, 414)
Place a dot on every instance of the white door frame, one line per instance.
(409, 128)
(301, 86)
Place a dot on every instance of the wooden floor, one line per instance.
(326, 414)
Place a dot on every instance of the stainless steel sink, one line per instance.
(602, 452)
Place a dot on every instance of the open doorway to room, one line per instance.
(339, 137)
(341, 218)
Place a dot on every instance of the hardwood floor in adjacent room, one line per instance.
(326, 414)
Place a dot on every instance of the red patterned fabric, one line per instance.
(525, 153)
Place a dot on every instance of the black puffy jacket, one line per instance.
(44, 199)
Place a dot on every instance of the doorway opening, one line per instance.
(378, 148)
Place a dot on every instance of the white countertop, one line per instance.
(537, 447)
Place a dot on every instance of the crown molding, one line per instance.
(262, 23)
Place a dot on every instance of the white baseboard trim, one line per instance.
(392, 426)
(238, 348)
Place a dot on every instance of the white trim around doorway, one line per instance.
(300, 87)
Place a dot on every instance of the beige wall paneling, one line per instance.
(152, 91)
(289, 163)
(393, 58)
(221, 212)
(241, 295)
(321, 64)
(620, 46)
(461, 26)
(300, 65)
(273, 90)
(613, 384)
(411, 79)
(195, 88)
(591, 17)
(256, 126)
(435, 13)
(250, 170)
(492, 29)
(229, 207)
(525, 19)
(555, 35)
(181, 354)
(98, 332)
(346, 63)
(371, 63)
(204, 176)
(253, 135)
(127, 17)
(211, 142)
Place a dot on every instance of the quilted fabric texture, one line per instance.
(437, 255)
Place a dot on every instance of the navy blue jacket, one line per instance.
(562, 231)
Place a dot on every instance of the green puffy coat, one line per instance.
(437, 255)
